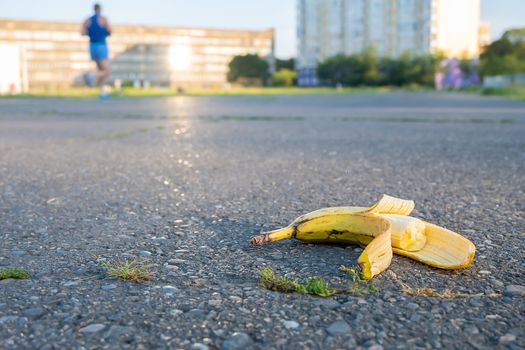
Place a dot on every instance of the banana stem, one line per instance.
(272, 236)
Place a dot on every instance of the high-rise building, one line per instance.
(485, 32)
(330, 27)
(55, 55)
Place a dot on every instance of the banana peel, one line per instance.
(384, 228)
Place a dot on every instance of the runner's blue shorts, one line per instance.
(99, 51)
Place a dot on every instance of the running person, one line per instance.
(97, 28)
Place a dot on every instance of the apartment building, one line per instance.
(328, 27)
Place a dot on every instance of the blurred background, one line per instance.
(206, 44)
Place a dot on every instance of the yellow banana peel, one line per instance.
(384, 228)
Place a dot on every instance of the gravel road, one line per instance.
(182, 183)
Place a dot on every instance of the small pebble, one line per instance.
(7, 319)
(214, 302)
(238, 341)
(507, 338)
(196, 313)
(176, 312)
(412, 306)
(328, 303)
(92, 328)
(236, 299)
(338, 327)
(290, 324)
(34, 313)
(515, 290)
(71, 283)
(170, 290)
(375, 347)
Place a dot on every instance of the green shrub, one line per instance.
(284, 77)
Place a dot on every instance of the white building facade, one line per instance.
(330, 27)
(39, 55)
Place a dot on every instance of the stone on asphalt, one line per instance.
(338, 327)
(507, 338)
(199, 346)
(170, 290)
(34, 313)
(108, 286)
(328, 303)
(144, 254)
(290, 324)
(92, 328)
(8, 319)
(515, 290)
(238, 341)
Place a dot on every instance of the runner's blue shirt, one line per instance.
(97, 33)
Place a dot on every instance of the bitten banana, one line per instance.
(384, 228)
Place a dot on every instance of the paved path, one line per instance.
(184, 183)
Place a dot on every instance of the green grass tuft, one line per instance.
(358, 286)
(318, 286)
(270, 281)
(14, 273)
(129, 270)
(313, 285)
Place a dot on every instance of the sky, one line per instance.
(241, 14)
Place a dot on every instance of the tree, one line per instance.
(505, 55)
(369, 70)
(284, 64)
(341, 69)
(284, 77)
(422, 70)
(394, 70)
(371, 74)
(249, 69)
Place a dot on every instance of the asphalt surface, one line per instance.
(183, 183)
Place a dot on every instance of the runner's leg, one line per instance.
(103, 72)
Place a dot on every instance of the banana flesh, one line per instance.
(384, 228)
(444, 249)
(408, 233)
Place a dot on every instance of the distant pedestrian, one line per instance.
(98, 29)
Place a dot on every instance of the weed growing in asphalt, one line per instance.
(270, 281)
(129, 270)
(14, 272)
(318, 286)
(358, 285)
(313, 285)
